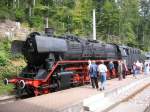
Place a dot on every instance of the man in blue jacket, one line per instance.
(93, 74)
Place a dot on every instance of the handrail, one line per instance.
(51, 72)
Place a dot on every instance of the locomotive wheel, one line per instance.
(19, 92)
(75, 84)
(30, 91)
(20, 88)
(58, 85)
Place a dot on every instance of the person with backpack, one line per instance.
(93, 74)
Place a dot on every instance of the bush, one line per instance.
(20, 15)
(36, 21)
(7, 68)
(3, 58)
(4, 52)
(6, 89)
(9, 71)
(10, 65)
(6, 13)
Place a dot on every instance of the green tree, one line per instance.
(108, 20)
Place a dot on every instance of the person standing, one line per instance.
(142, 67)
(111, 67)
(89, 64)
(120, 70)
(146, 69)
(134, 69)
(125, 69)
(138, 67)
(102, 69)
(93, 74)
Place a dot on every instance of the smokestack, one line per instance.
(49, 32)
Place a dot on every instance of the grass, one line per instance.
(6, 89)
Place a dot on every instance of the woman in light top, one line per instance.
(102, 69)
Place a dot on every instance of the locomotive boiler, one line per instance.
(38, 47)
(54, 63)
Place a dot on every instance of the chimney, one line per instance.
(49, 32)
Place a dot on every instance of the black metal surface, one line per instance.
(37, 48)
(16, 46)
(45, 44)
(65, 78)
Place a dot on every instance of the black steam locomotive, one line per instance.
(38, 48)
(54, 62)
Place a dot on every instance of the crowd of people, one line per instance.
(98, 72)
(139, 68)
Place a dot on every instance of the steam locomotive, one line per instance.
(59, 62)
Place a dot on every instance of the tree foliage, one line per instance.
(118, 21)
(7, 69)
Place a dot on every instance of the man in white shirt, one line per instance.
(102, 69)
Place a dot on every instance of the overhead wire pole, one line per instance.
(46, 18)
(46, 22)
(94, 25)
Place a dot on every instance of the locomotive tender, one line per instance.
(54, 63)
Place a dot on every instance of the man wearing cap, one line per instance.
(102, 69)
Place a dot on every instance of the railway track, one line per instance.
(139, 98)
(8, 99)
(147, 109)
(12, 98)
